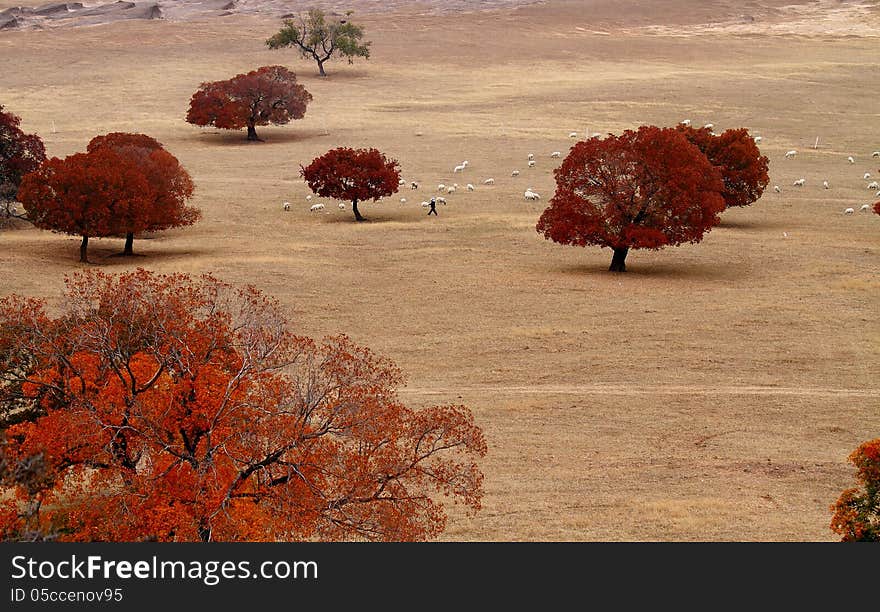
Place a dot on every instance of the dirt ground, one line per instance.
(713, 392)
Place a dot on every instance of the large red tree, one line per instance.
(736, 155)
(644, 189)
(84, 193)
(177, 408)
(857, 511)
(170, 186)
(266, 95)
(352, 174)
(20, 154)
(877, 207)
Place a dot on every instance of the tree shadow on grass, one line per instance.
(238, 138)
(679, 270)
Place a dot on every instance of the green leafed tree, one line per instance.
(320, 37)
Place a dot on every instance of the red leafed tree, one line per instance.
(877, 207)
(20, 154)
(857, 512)
(644, 189)
(170, 186)
(735, 154)
(84, 193)
(352, 174)
(266, 95)
(176, 408)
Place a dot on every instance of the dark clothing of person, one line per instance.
(433, 204)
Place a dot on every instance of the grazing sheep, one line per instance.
(572, 134)
(709, 126)
(865, 208)
(403, 200)
(425, 204)
(489, 181)
(531, 156)
(777, 189)
(441, 187)
(414, 185)
(285, 205)
(556, 154)
(531, 164)
(758, 139)
(342, 206)
(825, 185)
(441, 200)
(451, 190)
(531, 195)
(316, 207)
(800, 182)
(309, 198)
(596, 135)
(875, 154)
(460, 167)
(873, 185)
(470, 187)
(514, 173)
(401, 182)
(685, 122)
(849, 211)
(790, 154)
(850, 159)
(866, 176)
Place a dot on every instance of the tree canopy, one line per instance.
(644, 189)
(857, 511)
(319, 38)
(352, 174)
(266, 95)
(736, 155)
(179, 408)
(20, 154)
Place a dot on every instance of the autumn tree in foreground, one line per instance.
(736, 155)
(317, 38)
(20, 154)
(170, 186)
(352, 174)
(857, 512)
(877, 207)
(644, 189)
(177, 408)
(266, 95)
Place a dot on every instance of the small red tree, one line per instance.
(736, 155)
(877, 207)
(20, 154)
(352, 174)
(183, 409)
(857, 512)
(170, 186)
(266, 95)
(84, 193)
(644, 189)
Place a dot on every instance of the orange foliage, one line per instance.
(177, 408)
(857, 511)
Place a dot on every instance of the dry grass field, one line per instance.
(713, 392)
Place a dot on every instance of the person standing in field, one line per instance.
(433, 204)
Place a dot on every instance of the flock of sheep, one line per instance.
(531, 195)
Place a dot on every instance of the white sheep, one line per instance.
(865, 208)
(425, 204)
(285, 205)
(489, 181)
(401, 182)
(460, 167)
(531, 156)
(875, 154)
(451, 190)
(850, 159)
(685, 122)
(866, 175)
(403, 200)
(441, 200)
(572, 134)
(555, 154)
(531, 164)
(531, 195)
(800, 182)
(342, 206)
(790, 154)
(414, 185)
(777, 189)
(849, 211)
(514, 173)
(873, 185)
(309, 198)
(825, 185)
(441, 187)
(316, 207)
(596, 135)
(758, 139)
(470, 187)
(709, 126)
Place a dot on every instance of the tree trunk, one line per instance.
(252, 132)
(83, 248)
(129, 244)
(357, 214)
(321, 68)
(618, 262)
